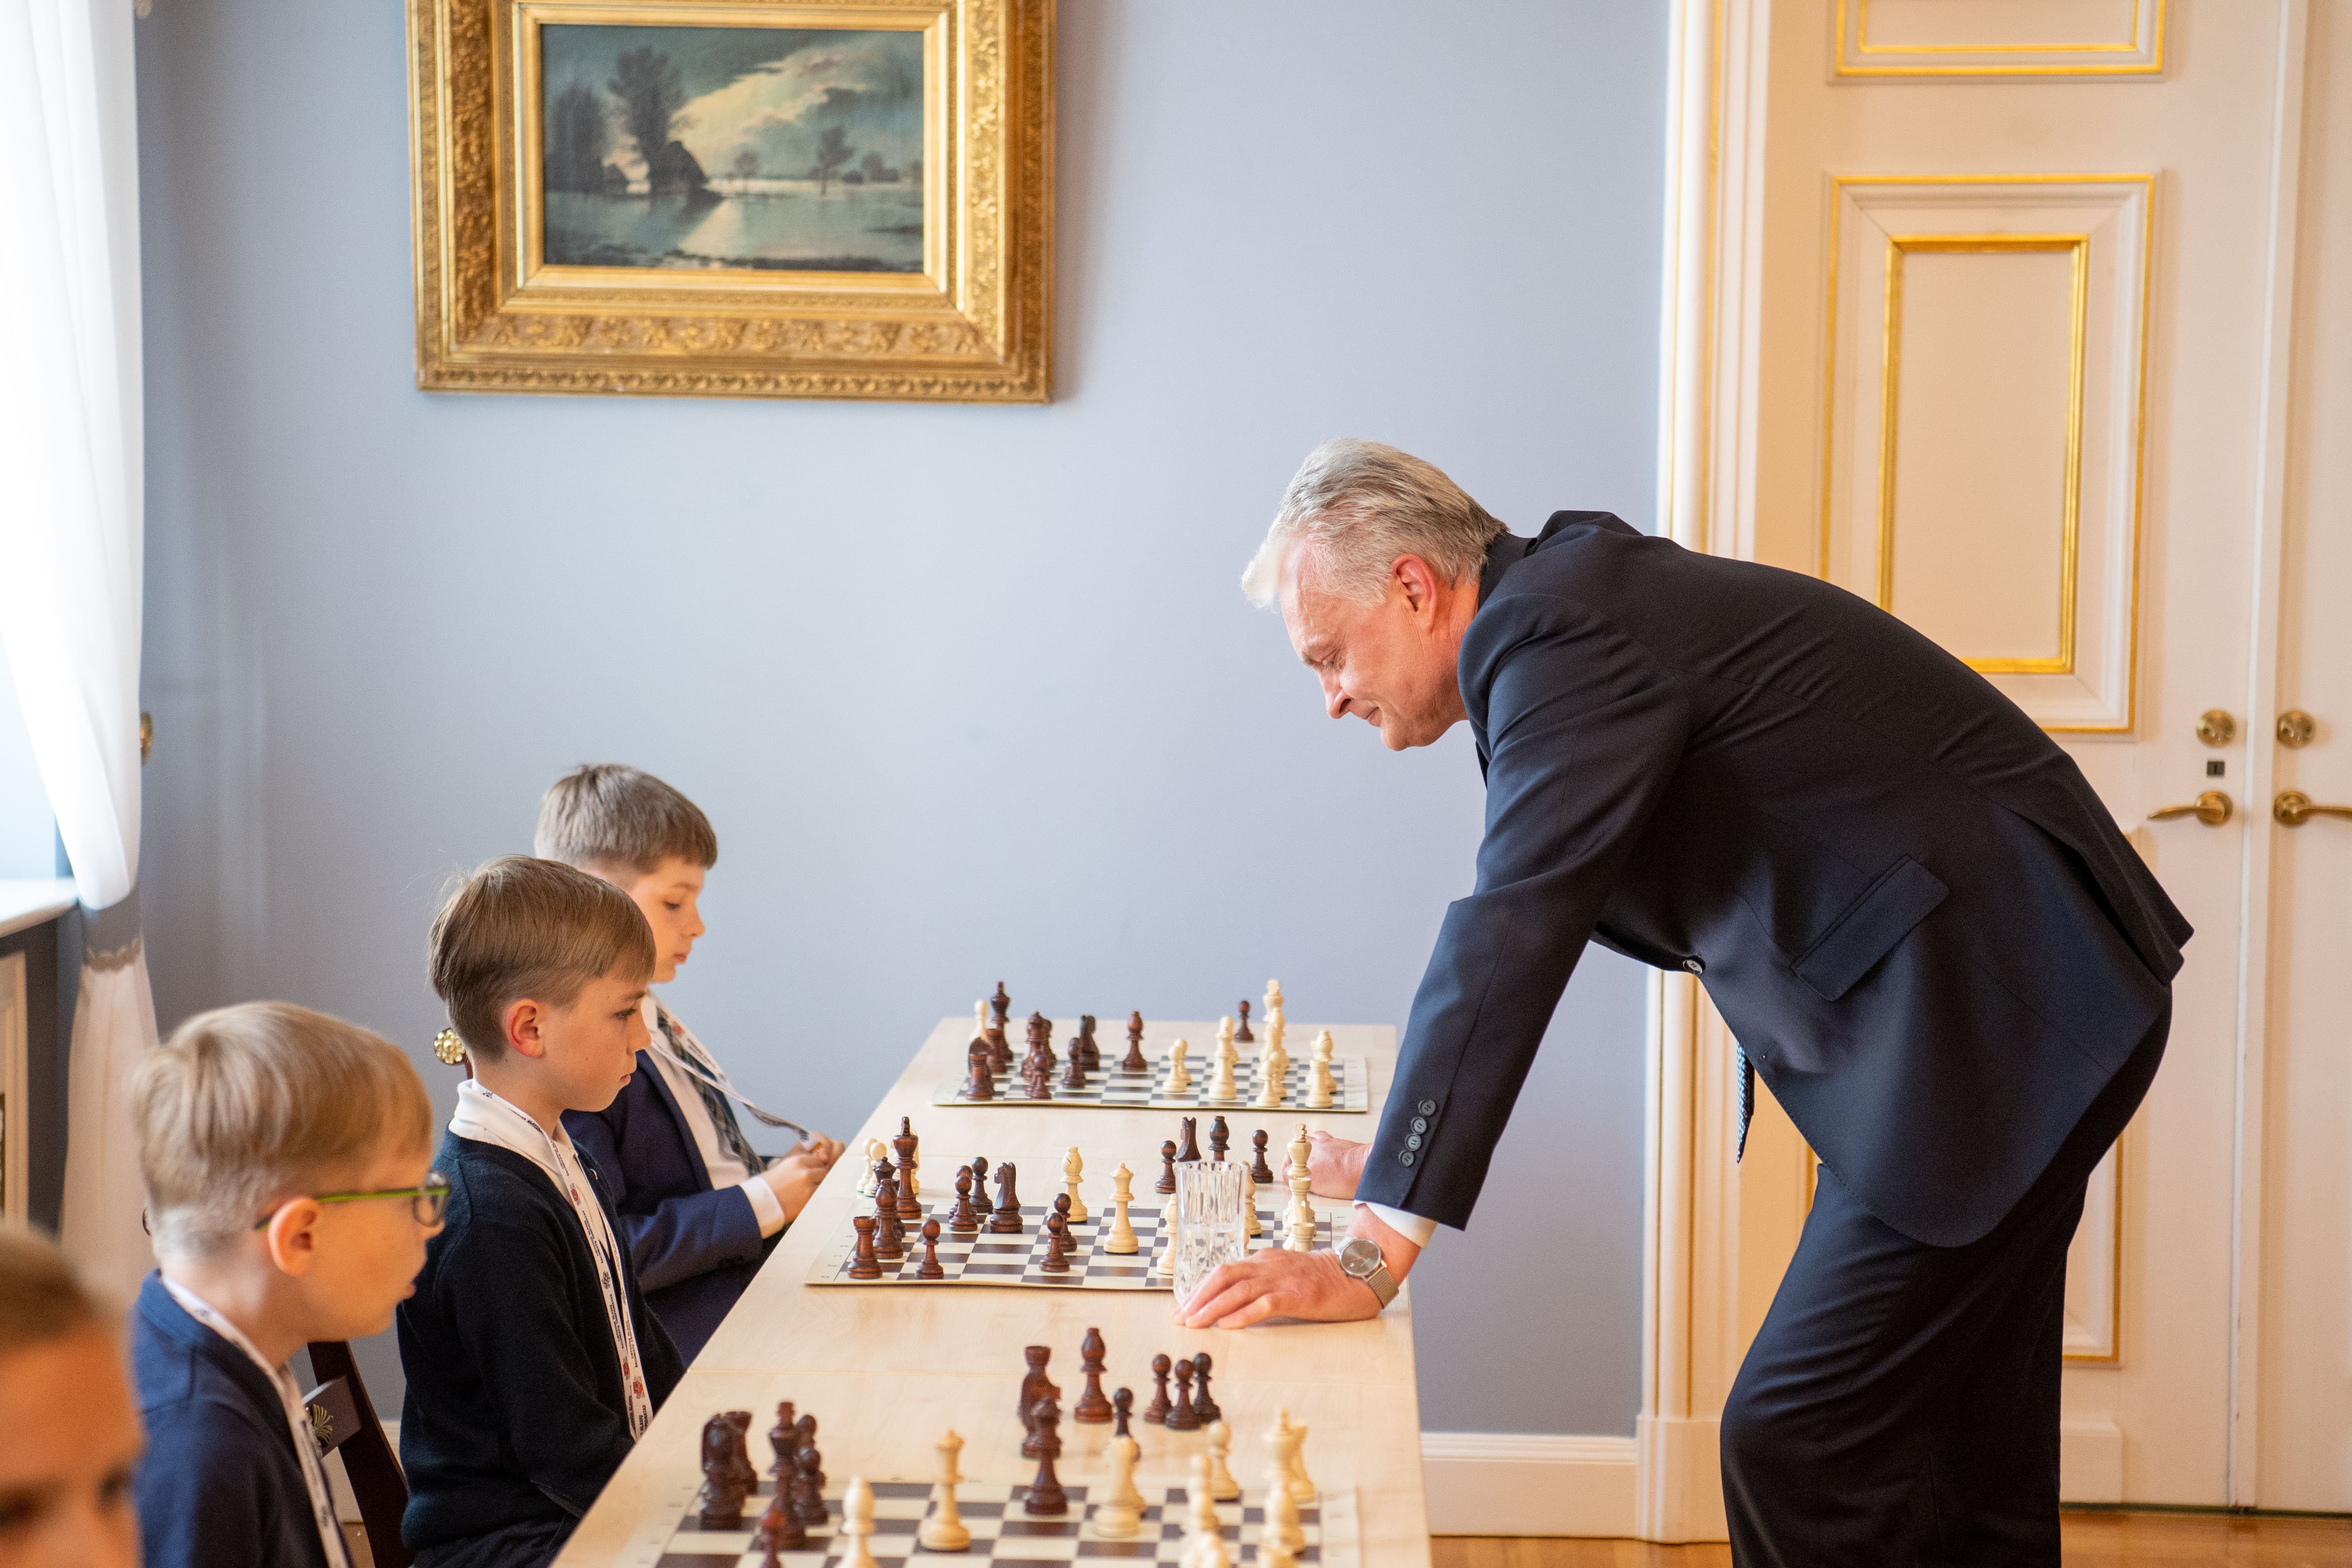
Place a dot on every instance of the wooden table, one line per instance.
(886, 1369)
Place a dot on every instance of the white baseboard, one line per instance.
(1505, 1483)
(2091, 1460)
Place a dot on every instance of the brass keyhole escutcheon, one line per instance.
(2216, 728)
(2295, 729)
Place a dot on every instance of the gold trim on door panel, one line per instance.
(1859, 33)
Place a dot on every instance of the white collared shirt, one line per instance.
(726, 1171)
(298, 1419)
(484, 1118)
(1414, 1227)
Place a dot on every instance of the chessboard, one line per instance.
(1007, 1260)
(1148, 1090)
(673, 1535)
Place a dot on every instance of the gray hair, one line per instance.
(1357, 506)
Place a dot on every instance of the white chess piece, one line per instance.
(1178, 1081)
(876, 1150)
(1222, 1086)
(944, 1530)
(1272, 998)
(1302, 1212)
(1222, 1485)
(1121, 1515)
(1122, 1232)
(1302, 1485)
(1275, 1027)
(1073, 1173)
(1319, 1096)
(1206, 1546)
(1280, 1539)
(1273, 1073)
(1249, 1223)
(857, 1523)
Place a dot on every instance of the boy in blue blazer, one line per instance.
(701, 1208)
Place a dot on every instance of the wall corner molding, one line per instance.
(1513, 1483)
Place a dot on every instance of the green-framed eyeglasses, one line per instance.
(428, 1203)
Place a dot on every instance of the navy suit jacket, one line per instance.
(694, 1249)
(1916, 917)
(220, 1485)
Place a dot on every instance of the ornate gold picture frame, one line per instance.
(743, 198)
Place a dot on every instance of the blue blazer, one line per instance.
(220, 1485)
(694, 1249)
(1919, 920)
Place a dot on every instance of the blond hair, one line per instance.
(40, 1297)
(1358, 507)
(609, 814)
(522, 928)
(245, 1104)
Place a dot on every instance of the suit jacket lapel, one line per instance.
(687, 1147)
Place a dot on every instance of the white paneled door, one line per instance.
(2053, 358)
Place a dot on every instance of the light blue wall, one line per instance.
(969, 692)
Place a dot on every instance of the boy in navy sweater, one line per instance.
(701, 1208)
(533, 1364)
(286, 1157)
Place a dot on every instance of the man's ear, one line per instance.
(293, 1236)
(1413, 574)
(525, 1025)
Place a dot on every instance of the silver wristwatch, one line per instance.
(1361, 1260)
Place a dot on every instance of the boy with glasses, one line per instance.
(288, 1160)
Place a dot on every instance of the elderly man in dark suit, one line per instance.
(1922, 927)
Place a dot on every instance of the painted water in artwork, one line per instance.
(741, 147)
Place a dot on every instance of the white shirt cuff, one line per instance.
(1411, 1226)
(766, 1207)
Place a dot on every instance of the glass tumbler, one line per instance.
(1207, 1229)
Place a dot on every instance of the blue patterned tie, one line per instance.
(722, 1115)
(1747, 1071)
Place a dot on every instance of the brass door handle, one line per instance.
(2212, 808)
(2293, 808)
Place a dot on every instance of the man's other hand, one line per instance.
(1334, 1166)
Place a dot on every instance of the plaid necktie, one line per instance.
(1747, 1071)
(683, 1046)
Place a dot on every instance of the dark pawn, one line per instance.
(1000, 1005)
(1045, 1494)
(961, 1219)
(781, 1529)
(1220, 1137)
(1134, 1061)
(1156, 1413)
(1092, 1407)
(1074, 1075)
(1057, 1245)
(1034, 1386)
(979, 1062)
(1202, 1406)
(1242, 1035)
(863, 1263)
(1167, 1181)
(807, 1424)
(1260, 1171)
(1184, 1417)
(725, 1468)
(1122, 1405)
(1037, 1083)
(1061, 1206)
(1006, 1220)
(808, 1486)
(1041, 1040)
(1085, 1045)
(781, 1440)
(889, 1240)
(1188, 1149)
(980, 1176)
(930, 1268)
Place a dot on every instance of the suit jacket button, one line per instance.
(1421, 1124)
(1429, 1108)
(1414, 1141)
(1405, 1158)
(1695, 966)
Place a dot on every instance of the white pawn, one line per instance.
(1178, 1081)
(875, 1151)
(1121, 1515)
(1206, 1549)
(944, 1530)
(1319, 1097)
(1302, 1212)
(1122, 1233)
(1222, 1086)
(1250, 1224)
(1222, 1485)
(1073, 1172)
(857, 1523)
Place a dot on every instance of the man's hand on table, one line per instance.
(1310, 1286)
(1334, 1166)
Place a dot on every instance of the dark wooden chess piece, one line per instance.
(1035, 1385)
(980, 1078)
(930, 1268)
(1203, 1407)
(1086, 1044)
(1184, 1417)
(1188, 1148)
(1073, 1074)
(889, 1240)
(725, 1469)
(1000, 1006)
(1006, 1220)
(863, 1263)
(1057, 1245)
(1243, 1036)
(1061, 1206)
(1037, 1082)
(1047, 1497)
(980, 1176)
(1041, 1040)
(1156, 1413)
(1092, 1407)
(908, 1146)
(781, 1529)
(1219, 1137)
(1260, 1171)
(1122, 1405)
(781, 1438)
(808, 1486)
(807, 1426)
(961, 1219)
(1167, 1181)
(1000, 1049)
(1133, 1061)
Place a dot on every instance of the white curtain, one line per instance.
(70, 546)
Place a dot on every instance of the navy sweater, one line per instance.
(220, 1485)
(514, 1410)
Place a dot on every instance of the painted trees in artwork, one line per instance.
(833, 151)
(577, 140)
(651, 95)
(747, 163)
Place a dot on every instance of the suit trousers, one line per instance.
(1900, 1402)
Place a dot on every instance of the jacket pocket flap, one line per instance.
(1869, 929)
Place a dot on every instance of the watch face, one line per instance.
(1360, 1256)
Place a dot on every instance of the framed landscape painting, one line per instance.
(734, 198)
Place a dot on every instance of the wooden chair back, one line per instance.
(343, 1420)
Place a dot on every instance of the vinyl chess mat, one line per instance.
(673, 1536)
(1112, 1086)
(1007, 1260)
